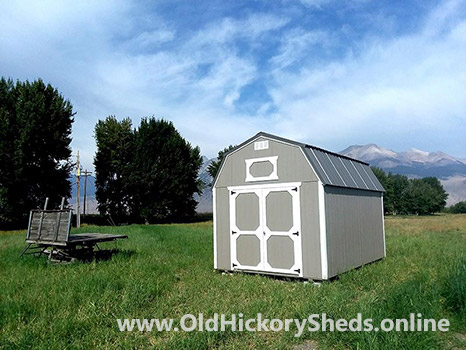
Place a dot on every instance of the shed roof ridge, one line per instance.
(305, 145)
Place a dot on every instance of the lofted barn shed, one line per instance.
(286, 208)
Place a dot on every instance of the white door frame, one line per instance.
(263, 233)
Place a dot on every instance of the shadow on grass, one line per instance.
(104, 255)
(88, 256)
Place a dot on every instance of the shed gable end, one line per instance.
(265, 160)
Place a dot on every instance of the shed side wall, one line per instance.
(312, 267)
(222, 208)
(354, 224)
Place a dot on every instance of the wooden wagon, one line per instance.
(49, 233)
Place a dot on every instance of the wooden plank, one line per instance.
(29, 226)
(42, 217)
(69, 226)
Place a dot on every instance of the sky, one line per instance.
(325, 72)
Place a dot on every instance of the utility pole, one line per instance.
(85, 174)
(78, 174)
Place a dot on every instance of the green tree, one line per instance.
(411, 196)
(214, 166)
(164, 173)
(458, 208)
(35, 137)
(439, 195)
(401, 197)
(112, 163)
(149, 174)
(387, 183)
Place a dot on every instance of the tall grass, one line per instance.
(167, 271)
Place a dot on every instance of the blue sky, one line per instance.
(326, 72)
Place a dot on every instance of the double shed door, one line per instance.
(265, 228)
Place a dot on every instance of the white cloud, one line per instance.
(228, 29)
(315, 3)
(411, 84)
(298, 43)
(154, 38)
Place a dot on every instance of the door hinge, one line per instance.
(234, 265)
(295, 233)
(295, 189)
(233, 192)
(298, 270)
(233, 232)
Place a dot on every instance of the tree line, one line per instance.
(411, 196)
(458, 208)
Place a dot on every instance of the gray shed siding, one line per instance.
(222, 222)
(354, 225)
(312, 267)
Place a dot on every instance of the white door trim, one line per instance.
(383, 226)
(323, 231)
(214, 200)
(255, 187)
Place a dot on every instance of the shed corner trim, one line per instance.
(323, 232)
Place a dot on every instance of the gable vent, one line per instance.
(259, 145)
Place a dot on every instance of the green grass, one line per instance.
(167, 271)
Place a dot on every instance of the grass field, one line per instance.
(167, 271)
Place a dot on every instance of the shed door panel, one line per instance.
(282, 226)
(246, 229)
(265, 229)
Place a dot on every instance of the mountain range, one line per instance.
(413, 163)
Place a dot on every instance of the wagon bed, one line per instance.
(49, 233)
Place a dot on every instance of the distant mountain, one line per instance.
(416, 163)
(413, 163)
(91, 203)
(205, 199)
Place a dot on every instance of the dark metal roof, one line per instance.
(332, 169)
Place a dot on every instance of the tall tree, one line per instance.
(149, 174)
(165, 172)
(214, 166)
(439, 195)
(35, 137)
(112, 163)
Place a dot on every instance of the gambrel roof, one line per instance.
(331, 168)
